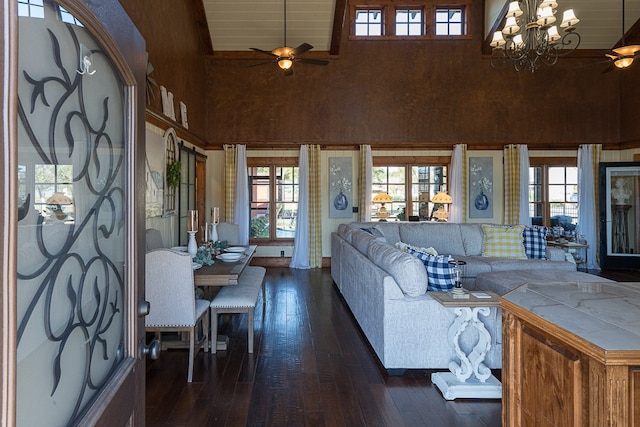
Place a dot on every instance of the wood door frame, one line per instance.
(123, 400)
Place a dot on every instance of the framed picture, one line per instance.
(340, 176)
(480, 187)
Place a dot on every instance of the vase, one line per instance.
(481, 202)
(340, 202)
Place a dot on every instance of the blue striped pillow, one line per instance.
(535, 242)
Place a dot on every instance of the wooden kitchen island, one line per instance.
(571, 355)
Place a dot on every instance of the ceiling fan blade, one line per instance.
(266, 52)
(610, 68)
(313, 61)
(304, 47)
(260, 63)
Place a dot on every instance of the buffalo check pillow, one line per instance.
(535, 242)
(503, 241)
(440, 274)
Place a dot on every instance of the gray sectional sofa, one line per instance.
(406, 328)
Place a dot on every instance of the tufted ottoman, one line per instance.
(502, 282)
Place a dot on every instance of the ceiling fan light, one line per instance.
(623, 62)
(285, 63)
(569, 19)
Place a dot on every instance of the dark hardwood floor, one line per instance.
(311, 366)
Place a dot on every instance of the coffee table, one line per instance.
(470, 377)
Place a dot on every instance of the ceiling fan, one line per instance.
(285, 56)
(623, 56)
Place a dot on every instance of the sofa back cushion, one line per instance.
(360, 240)
(408, 271)
(345, 231)
(472, 238)
(443, 237)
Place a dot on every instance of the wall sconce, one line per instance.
(441, 198)
(382, 198)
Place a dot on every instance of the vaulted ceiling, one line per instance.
(238, 25)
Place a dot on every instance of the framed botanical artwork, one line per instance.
(480, 187)
(340, 176)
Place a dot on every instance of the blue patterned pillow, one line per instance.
(441, 276)
(535, 242)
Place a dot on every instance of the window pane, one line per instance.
(408, 22)
(368, 22)
(449, 22)
(259, 202)
(556, 175)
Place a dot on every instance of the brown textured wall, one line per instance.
(420, 93)
(177, 49)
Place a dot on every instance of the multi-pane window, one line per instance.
(369, 22)
(54, 191)
(411, 187)
(273, 199)
(553, 196)
(66, 16)
(409, 22)
(449, 21)
(32, 8)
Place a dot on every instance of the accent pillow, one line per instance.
(535, 242)
(404, 247)
(440, 274)
(503, 241)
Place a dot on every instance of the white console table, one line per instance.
(470, 377)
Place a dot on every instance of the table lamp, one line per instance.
(441, 198)
(382, 198)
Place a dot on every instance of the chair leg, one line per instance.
(205, 330)
(214, 331)
(192, 342)
(250, 330)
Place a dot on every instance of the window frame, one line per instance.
(272, 163)
(429, 7)
(408, 163)
(545, 163)
(463, 21)
(408, 23)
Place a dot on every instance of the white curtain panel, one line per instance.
(241, 212)
(587, 207)
(456, 184)
(300, 258)
(525, 218)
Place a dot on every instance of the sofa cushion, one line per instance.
(408, 272)
(503, 241)
(440, 273)
(535, 242)
(444, 237)
(374, 230)
(345, 231)
(360, 240)
(472, 238)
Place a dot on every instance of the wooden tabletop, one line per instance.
(223, 273)
(474, 299)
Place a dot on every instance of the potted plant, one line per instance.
(174, 172)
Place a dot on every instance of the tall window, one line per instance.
(273, 198)
(369, 22)
(410, 186)
(553, 195)
(409, 22)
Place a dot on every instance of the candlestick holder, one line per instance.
(192, 246)
(213, 232)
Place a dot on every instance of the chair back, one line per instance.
(229, 232)
(169, 289)
(153, 239)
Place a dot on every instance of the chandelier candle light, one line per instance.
(530, 38)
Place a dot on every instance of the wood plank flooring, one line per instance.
(311, 366)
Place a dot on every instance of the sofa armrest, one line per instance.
(555, 254)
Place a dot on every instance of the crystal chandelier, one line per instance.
(530, 38)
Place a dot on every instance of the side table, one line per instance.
(573, 247)
(469, 378)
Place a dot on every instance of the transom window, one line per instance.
(450, 21)
(553, 195)
(409, 22)
(32, 8)
(369, 22)
(273, 199)
(410, 186)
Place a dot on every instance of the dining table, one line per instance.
(222, 273)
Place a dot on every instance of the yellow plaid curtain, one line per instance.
(229, 181)
(315, 209)
(364, 174)
(511, 184)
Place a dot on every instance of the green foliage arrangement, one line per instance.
(174, 172)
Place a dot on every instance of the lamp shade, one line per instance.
(442, 198)
(382, 198)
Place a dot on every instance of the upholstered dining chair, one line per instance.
(153, 239)
(229, 232)
(173, 306)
